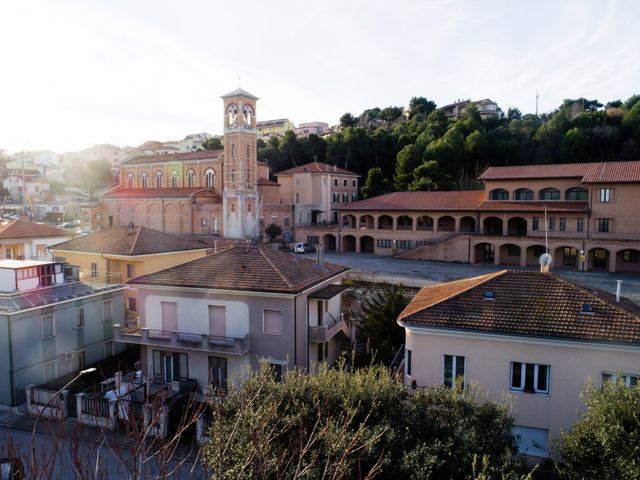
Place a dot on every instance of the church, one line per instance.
(212, 192)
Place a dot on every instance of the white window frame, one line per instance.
(523, 369)
(44, 370)
(53, 325)
(454, 368)
(605, 195)
(626, 376)
(110, 316)
(80, 313)
(281, 332)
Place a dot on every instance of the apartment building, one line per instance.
(53, 321)
(311, 128)
(278, 127)
(22, 240)
(487, 108)
(534, 336)
(588, 207)
(240, 307)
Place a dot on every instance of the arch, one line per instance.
(171, 219)
(247, 113)
(510, 254)
(139, 215)
(523, 194)
(628, 260)
(174, 179)
(348, 243)
(467, 224)
(186, 219)
(566, 256)
(155, 217)
(533, 254)
(576, 193)
(209, 177)
(498, 194)
(404, 222)
(329, 242)
(517, 227)
(191, 178)
(144, 180)
(367, 222)
(158, 179)
(446, 224)
(385, 222)
(130, 180)
(232, 115)
(549, 193)
(424, 223)
(366, 244)
(348, 221)
(484, 253)
(599, 259)
(492, 226)
(123, 215)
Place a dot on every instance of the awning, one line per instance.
(328, 292)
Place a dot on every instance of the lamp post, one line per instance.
(35, 424)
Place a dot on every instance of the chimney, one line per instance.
(335, 169)
(320, 255)
(215, 247)
(618, 290)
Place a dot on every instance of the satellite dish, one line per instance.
(545, 260)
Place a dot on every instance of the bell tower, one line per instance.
(240, 200)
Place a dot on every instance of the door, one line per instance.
(218, 372)
(169, 316)
(217, 321)
(168, 368)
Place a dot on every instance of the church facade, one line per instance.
(212, 192)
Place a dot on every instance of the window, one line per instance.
(569, 257)
(630, 256)
(107, 310)
(606, 195)
(408, 362)
(81, 359)
(170, 366)
(218, 372)
(575, 194)
(158, 179)
(489, 253)
(604, 225)
(190, 178)
(50, 371)
(563, 224)
(627, 379)
(523, 194)
(353, 183)
(217, 321)
(297, 182)
(297, 197)
(174, 179)
(580, 224)
(335, 197)
(499, 194)
(354, 197)
(535, 223)
(345, 198)
(549, 194)
(131, 270)
(130, 180)
(144, 179)
(272, 321)
(453, 370)
(404, 243)
(552, 223)
(169, 315)
(80, 318)
(514, 250)
(94, 269)
(335, 182)
(345, 182)
(132, 304)
(313, 239)
(48, 326)
(209, 177)
(383, 243)
(531, 441)
(529, 377)
(286, 221)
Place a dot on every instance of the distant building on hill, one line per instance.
(278, 128)
(486, 107)
(316, 128)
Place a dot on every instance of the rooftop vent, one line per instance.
(586, 308)
(489, 295)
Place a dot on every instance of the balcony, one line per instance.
(188, 341)
(324, 333)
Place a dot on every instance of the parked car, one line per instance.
(304, 248)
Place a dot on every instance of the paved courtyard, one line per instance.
(419, 273)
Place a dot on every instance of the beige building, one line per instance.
(534, 336)
(279, 127)
(591, 222)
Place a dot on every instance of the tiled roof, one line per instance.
(24, 229)
(172, 157)
(267, 182)
(239, 92)
(316, 167)
(122, 192)
(125, 241)
(456, 200)
(530, 304)
(524, 206)
(604, 172)
(241, 267)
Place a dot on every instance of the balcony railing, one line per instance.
(190, 341)
(324, 333)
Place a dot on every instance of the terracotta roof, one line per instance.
(125, 241)
(316, 167)
(122, 192)
(24, 229)
(597, 172)
(524, 303)
(172, 157)
(267, 182)
(455, 200)
(257, 269)
(524, 206)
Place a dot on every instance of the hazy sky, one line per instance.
(76, 73)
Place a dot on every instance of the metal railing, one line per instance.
(326, 331)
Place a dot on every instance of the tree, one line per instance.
(348, 120)
(421, 107)
(605, 441)
(379, 313)
(375, 184)
(273, 231)
(514, 114)
(212, 144)
(407, 160)
(429, 176)
(92, 175)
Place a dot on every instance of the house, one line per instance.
(20, 239)
(311, 128)
(53, 321)
(131, 252)
(589, 209)
(278, 128)
(486, 108)
(27, 184)
(535, 336)
(240, 307)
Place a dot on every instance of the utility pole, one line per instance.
(536, 103)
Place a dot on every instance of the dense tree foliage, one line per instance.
(213, 143)
(605, 441)
(356, 425)
(405, 145)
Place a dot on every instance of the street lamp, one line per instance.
(35, 424)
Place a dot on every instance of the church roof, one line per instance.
(238, 92)
(172, 157)
(122, 192)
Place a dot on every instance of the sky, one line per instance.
(78, 73)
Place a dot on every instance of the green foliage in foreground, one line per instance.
(356, 425)
(605, 441)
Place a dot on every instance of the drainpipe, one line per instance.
(13, 400)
